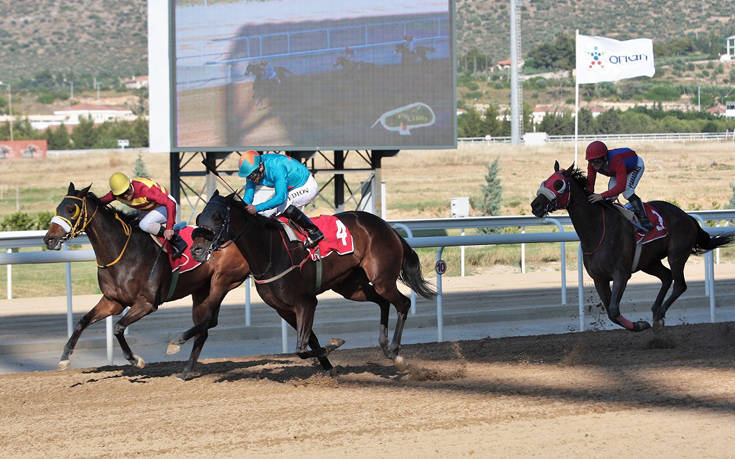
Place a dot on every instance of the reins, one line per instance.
(602, 238)
(82, 219)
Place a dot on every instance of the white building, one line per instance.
(98, 113)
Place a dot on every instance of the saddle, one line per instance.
(337, 237)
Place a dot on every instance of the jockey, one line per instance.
(625, 168)
(294, 187)
(152, 199)
(410, 44)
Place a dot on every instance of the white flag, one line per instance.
(604, 59)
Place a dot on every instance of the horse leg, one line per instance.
(290, 318)
(664, 274)
(204, 314)
(137, 311)
(105, 307)
(388, 290)
(680, 286)
(620, 281)
(357, 288)
(304, 322)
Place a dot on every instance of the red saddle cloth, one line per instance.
(337, 237)
(658, 231)
(186, 261)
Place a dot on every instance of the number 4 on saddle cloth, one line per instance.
(337, 237)
(659, 229)
(186, 261)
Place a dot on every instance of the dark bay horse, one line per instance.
(418, 54)
(289, 283)
(608, 244)
(351, 66)
(125, 259)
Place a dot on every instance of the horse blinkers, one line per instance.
(556, 190)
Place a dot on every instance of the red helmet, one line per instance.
(595, 150)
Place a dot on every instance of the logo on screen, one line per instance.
(403, 119)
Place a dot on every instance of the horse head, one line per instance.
(71, 218)
(554, 192)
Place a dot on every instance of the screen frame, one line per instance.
(173, 104)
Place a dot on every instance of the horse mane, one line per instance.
(578, 176)
(265, 222)
(110, 212)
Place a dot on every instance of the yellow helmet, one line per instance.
(119, 183)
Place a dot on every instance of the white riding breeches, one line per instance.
(631, 180)
(153, 220)
(298, 197)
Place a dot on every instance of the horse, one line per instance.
(290, 284)
(409, 56)
(608, 245)
(131, 273)
(351, 66)
(267, 78)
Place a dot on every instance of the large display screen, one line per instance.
(312, 74)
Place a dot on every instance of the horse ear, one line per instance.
(216, 193)
(71, 188)
(84, 190)
(571, 168)
(556, 166)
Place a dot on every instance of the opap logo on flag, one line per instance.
(604, 59)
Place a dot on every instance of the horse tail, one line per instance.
(411, 272)
(705, 242)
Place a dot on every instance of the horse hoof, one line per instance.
(334, 343)
(658, 325)
(172, 348)
(641, 325)
(399, 362)
(64, 364)
(138, 361)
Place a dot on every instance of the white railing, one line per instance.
(655, 137)
(20, 239)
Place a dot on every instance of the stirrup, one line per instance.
(310, 243)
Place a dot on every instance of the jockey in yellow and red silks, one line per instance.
(153, 200)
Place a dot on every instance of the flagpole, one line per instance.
(576, 99)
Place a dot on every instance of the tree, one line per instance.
(731, 204)
(492, 191)
(84, 135)
(139, 169)
(58, 139)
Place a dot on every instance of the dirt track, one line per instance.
(597, 393)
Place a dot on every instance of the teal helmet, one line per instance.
(249, 162)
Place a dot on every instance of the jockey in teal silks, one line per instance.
(294, 187)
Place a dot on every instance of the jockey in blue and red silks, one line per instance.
(293, 188)
(624, 167)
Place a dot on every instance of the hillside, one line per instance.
(108, 37)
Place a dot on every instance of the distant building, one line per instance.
(136, 82)
(98, 113)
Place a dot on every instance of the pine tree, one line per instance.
(492, 191)
(139, 169)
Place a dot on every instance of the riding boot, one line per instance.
(313, 233)
(640, 212)
(177, 243)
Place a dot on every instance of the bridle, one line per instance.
(75, 225)
(556, 190)
(81, 219)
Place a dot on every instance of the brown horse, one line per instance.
(132, 274)
(289, 282)
(409, 56)
(608, 246)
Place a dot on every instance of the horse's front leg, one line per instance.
(613, 310)
(141, 308)
(105, 307)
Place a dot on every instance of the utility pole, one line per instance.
(516, 110)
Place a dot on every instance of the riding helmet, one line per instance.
(249, 161)
(119, 183)
(595, 150)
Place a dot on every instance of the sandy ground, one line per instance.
(602, 394)
(599, 393)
